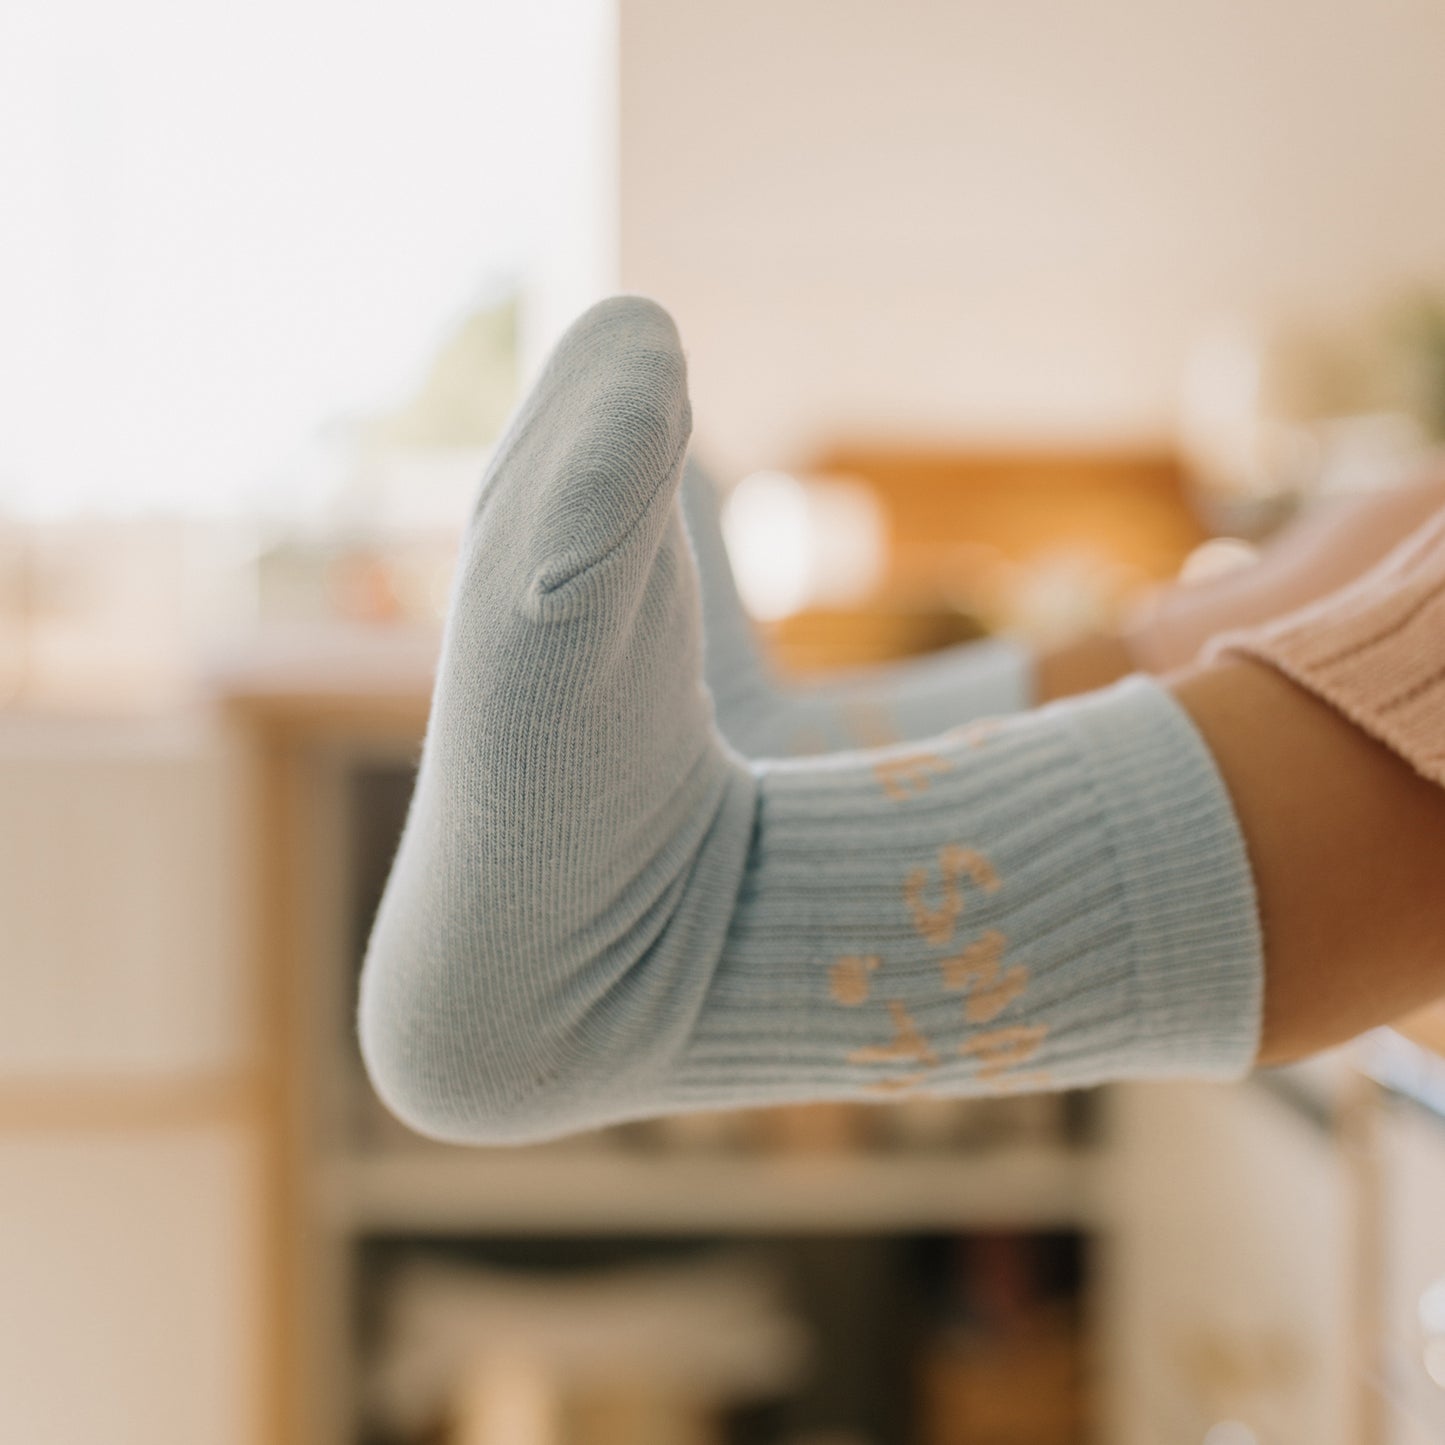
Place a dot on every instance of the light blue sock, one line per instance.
(898, 702)
(599, 911)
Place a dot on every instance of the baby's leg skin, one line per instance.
(898, 702)
(599, 911)
(1347, 842)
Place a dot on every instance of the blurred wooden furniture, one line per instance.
(1219, 1211)
(289, 705)
(1127, 506)
(131, 1106)
(968, 533)
(311, 719)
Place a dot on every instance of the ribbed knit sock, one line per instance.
(899, 702)
(599, 911)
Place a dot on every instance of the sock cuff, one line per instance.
(1103, 926)
(1188, 889)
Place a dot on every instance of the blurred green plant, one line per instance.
(468, 390)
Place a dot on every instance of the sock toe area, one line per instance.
(592, 457)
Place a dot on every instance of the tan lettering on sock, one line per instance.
(848, 980)
(977, 965)
(935, 924)
(955, 863)
(986, 1004)
(976, 970)
(1004, 1049)
(906, 777)
(962, 862)
(907, 1042)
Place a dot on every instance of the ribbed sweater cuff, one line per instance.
(1188, 890)
(1375, 651)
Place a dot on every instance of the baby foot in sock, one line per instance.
(568, 809)
(598, 911)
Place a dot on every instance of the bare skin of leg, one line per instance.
(1347, 843)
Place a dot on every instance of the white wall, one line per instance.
(965, 219)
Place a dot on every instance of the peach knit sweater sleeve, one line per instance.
(1375, 649)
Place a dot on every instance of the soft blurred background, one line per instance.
(996, 314)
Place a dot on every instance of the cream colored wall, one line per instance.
(120, 891)
(131, 1187)
(964, 219)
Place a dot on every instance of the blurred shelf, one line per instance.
(337, 681)
(545, 1191)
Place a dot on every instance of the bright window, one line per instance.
(228, 227)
